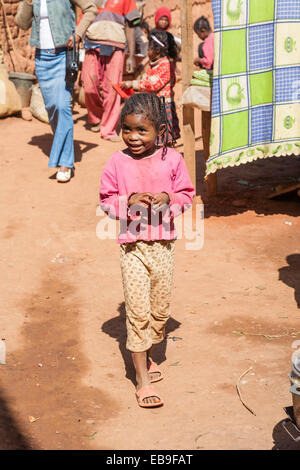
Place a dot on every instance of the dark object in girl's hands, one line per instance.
(72, 62)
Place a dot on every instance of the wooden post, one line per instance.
(211, 180)
(187, 53)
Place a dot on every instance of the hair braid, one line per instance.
(154, 109)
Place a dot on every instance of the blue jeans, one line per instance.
(50, 70)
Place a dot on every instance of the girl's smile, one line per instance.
(139, 134)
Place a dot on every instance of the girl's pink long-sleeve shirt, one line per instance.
(124, 175)
(208, 52)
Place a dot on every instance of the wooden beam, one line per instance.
(211, 180)
(187, 54)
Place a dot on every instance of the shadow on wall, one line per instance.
(44, 142)
(116, 328)
(290, 275)
(11, 438)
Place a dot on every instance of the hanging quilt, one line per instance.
(256, 83)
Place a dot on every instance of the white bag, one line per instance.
(197, 97)
(10, 101)
(37, 105)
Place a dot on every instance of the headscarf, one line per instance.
(163, 11)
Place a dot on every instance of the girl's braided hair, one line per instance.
(153, 108)
(168, 47)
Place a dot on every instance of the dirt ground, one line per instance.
(68, 382)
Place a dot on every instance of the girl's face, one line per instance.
(163, 23)
(203, 34)
(139, 134)
(153, 54)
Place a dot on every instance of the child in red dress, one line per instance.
(160, 77)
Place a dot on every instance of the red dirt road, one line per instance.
(62, 311)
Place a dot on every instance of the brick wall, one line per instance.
(21, 57)
(18, 55)
(200, 7)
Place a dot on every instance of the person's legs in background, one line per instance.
(113, 73)
(57, 94)
(91, 82)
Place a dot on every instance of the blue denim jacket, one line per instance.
(61, 18)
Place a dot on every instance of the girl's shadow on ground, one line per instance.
(116, 328)
(290, 275)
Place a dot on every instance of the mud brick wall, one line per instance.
(200, 7)
(20, 58)
(18, 55)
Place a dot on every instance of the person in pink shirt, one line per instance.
(145, 186)
(206, 48)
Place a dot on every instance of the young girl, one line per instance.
(206, 48)
(145, 186)
(163, 20)
(160, 77)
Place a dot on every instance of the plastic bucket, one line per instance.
(23, 83)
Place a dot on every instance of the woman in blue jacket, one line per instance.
(53, 23)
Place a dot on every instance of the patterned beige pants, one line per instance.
(147, 274)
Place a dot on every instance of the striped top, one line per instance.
(109, 25)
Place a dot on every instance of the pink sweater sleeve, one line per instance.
(208, 52)
(183, 191)
(111, 202)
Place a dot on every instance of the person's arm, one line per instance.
(114, 205)
(24, 15)
(131, 16)
(89, 11)
(130, 37)
(208, 52)
(183, 191)
(154, 80)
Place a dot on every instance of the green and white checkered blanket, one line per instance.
(256, 84)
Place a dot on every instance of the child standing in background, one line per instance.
(152, 185)
(160, 77)
(206, 48)
(163, 21)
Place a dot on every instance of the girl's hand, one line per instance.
(144, 199)
(160, 199)
(70, 44)
(126, 85)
